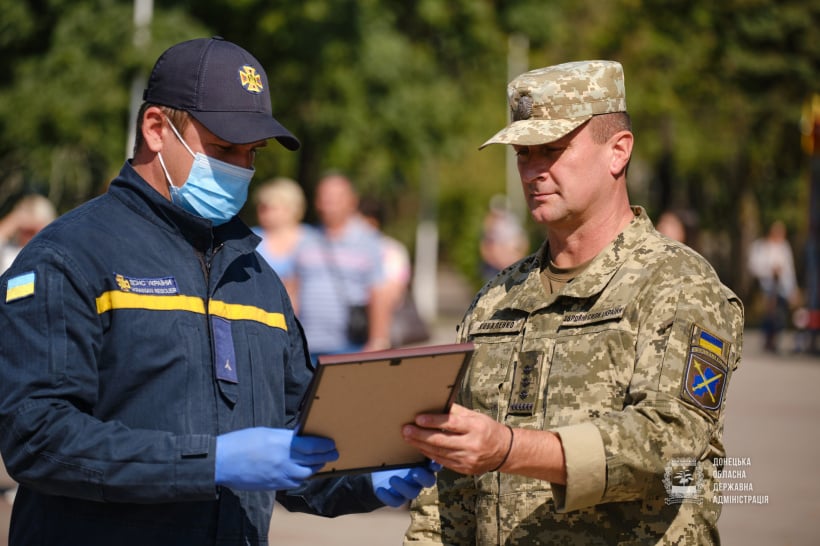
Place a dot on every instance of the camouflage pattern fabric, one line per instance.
(618, 363)
(547, 103)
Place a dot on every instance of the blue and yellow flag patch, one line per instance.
(707, 370)
(710, 342)
(21, 286)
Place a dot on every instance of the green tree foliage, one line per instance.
(371, 87)
(400, 95)
(64, 94)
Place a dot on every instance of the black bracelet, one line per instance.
(504, 460)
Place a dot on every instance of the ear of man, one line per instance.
(621, 147)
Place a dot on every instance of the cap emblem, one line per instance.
(251, 80)
(523, 110)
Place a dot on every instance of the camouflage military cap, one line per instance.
(547, 103)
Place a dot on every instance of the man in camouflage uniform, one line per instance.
(592, 410)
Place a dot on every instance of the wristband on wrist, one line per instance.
(509, 448)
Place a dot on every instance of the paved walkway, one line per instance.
(771, 432)
(772, 420)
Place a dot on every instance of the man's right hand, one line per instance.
(267, 459)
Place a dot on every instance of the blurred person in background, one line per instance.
(771, 261)
(395, 256)
(152, 369)
(679, 225)
(30, 215)
(280, 208)
(339, 290)
(503, 239)
(670, 224)
(406, 325)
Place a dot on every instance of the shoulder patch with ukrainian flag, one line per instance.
(707, 369)
(20, 286)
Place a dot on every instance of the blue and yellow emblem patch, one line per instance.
(707, 371)
(21, 286)
(251, 79)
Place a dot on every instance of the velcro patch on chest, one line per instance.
(497, 326)
(526, 383)
(591, 317)
(153, 286)
(707, 370)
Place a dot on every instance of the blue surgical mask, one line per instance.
(215, 190)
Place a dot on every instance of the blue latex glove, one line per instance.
(395, 487)
(267, 459)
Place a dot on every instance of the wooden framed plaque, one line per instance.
(361, 401)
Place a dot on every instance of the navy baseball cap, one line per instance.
(222, 86)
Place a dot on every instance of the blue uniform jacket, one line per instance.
(132, 335)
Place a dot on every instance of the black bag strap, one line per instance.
(335, 272)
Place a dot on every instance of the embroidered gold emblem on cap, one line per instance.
(251, 79)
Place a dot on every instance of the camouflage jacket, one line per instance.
(629, 364)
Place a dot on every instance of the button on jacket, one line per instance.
(629, 364)
(133, 335)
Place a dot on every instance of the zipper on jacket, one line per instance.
(205, 261)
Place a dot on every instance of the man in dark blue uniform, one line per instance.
(151, 367)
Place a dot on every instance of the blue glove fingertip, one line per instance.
(405, 486)
(389, 498)
(312, 444)
(423, 477)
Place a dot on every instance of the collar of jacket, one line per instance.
(529, 293)
(601, 269)
(130, 188)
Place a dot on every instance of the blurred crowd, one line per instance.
(345, 269)
(349, 282)
(775, 301)
(345, 273)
